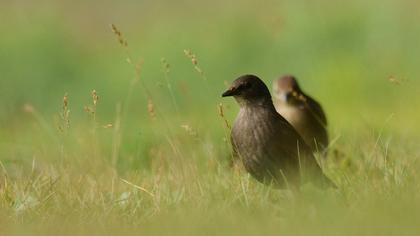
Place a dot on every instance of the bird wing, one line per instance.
(293, 152)
(292, 144)
(316, 109)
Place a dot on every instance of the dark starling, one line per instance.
(268, 146)
(303, 112)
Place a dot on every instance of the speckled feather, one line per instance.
(269, 147)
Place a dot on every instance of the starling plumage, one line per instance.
(268, 146)
(303, 112)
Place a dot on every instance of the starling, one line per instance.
(269, 147)
(302, 111)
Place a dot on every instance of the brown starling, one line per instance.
(303, 112)
(268, 146)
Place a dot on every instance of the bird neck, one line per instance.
(263, 103)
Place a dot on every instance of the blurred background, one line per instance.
(358, 58)
(151, 145)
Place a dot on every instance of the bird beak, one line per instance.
(230, 92)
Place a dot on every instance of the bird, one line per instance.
(303, 112)
(268, 146)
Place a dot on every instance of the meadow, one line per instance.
(112, 121)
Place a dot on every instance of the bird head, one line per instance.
(248, 89)
(287, 89)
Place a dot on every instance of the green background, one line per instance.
(359, 59)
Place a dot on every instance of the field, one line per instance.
(112, 121)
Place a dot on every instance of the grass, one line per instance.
(91, 144)
(188, 190)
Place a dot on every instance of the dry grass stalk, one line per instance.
(190, 130)
(108, 126)
(166, 69)
(151, 109)
(222, 115)
(92, 109)
(137, 69)
(194, 61)
(138, 187)
(28, 108)
(95, 98)
(165, 65)
(65, 115)
(44, 124)
(120, 36)
(123, 42)
(395, 80)
(116, 139)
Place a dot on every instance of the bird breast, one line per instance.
(293, 114)
(252, 133)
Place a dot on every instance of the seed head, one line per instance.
(151, 109)
(120, 36)
(28, 108)
(194, 61)
(95, 97)
(65, 101)
(190, 130)
(165, 65)
(107, 126)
